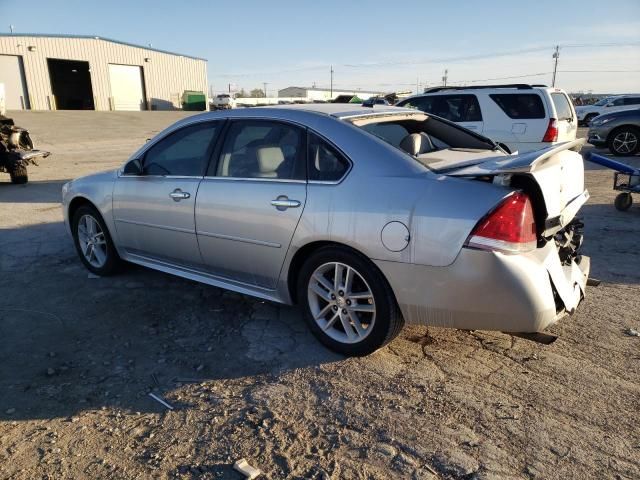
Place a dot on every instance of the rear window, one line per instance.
(456, 108)
(563, 108)
(520, 105)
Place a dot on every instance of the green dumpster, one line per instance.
(194, 101)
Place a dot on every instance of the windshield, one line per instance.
(602, 102)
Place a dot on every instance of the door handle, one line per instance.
(178, 195)
(283, 202)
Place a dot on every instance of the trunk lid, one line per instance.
(558, 172)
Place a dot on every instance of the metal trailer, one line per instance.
(626, 179)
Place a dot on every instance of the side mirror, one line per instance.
(134, 167)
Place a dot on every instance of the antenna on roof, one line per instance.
(11, 27)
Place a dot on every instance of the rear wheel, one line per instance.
(624, 141)
(348, 304)
(93, 242)
(19, 175)
(623, 201)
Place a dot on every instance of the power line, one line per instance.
(454, 59)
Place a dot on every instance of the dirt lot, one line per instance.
(79, 355)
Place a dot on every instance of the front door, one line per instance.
(154, 210)
(250, 202)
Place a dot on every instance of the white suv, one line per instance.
(522, 117)
(616, 103)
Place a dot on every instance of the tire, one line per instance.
(588, 119)
(624, 141)
(356, 322)
(623, 201)
(18, 175)
(95, 263)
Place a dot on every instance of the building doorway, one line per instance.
(71, 84)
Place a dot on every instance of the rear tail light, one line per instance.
(509, 228)
(551, 135)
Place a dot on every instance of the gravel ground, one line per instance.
(79, 356)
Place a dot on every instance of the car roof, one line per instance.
(346, 110)
(340, 111)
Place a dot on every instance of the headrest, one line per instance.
(416, 143)
(269, 159)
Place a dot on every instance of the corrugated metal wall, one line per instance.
(166, 75)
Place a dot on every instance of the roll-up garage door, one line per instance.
(127, 87)
(15, 88)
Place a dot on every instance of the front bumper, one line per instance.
(597, 136)
(489, 291)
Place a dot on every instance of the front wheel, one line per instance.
(348, 304)
(93, 242)
(588, 119)
(624, 141)
(18, 175)
(623, 201)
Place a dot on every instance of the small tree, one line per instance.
(257, 93)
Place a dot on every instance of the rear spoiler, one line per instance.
(523, 163)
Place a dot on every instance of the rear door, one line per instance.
(518, 119)
(565, 115)
(250, 202)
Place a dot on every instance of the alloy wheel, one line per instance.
(93, 243)
(625, 142)
(341, 302)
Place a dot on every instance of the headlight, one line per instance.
(597, 122)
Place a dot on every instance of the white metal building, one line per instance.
(313, 93)
(75, 72)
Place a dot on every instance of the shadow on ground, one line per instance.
(72, 343)
(611, 240)
(40, 191)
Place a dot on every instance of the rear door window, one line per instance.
(263, 149)
(563, 108)
(632, 101)
(520, 105)
(456, 108)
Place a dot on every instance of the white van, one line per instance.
(522, 117)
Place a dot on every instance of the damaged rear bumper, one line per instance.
(485, 290)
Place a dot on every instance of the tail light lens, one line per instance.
(509, 228)
(551, 135)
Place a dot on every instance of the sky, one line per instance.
(372, 45)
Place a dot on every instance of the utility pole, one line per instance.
(445, 77)
(265, 89)
(556, 55)
(417, 85)
(331, 88)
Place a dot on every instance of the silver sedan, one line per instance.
(365, 217)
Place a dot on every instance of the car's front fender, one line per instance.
(96, 189)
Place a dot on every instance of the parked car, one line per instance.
(607, 105)
(618, 131)
(223, 101)
(522, 117)
(371, 101)
(366, 218)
